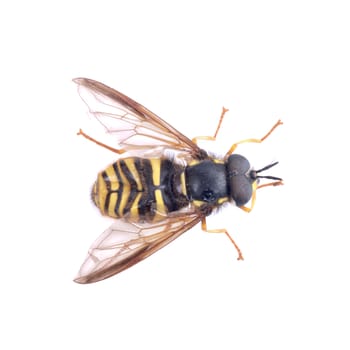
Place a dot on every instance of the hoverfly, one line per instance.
(163, 187)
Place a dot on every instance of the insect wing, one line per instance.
(126, 243)
(134, 126)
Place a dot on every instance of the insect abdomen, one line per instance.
(142, 189)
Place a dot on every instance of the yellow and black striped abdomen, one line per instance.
(143, 189)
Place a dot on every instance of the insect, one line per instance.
(165, 185)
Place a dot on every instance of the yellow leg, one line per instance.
(212, 138)
(222, 230)
(255, 187)
(275, 183)
(233, 147)
(82, 133)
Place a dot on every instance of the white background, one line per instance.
(183, 60)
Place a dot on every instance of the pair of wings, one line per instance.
(137, 131)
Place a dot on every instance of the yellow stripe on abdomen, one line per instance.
(113, 198)
(134, 209)
(130, 163)
(125, 192)
(161, 210)
(106, 182)
(155, 164)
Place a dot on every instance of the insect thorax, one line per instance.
(206, 183)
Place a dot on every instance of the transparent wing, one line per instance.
(126, 243)
(134, 126)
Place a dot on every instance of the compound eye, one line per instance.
(241, 190)
(237, 165)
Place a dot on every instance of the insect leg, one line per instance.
(212, 138)
(222, 230)
(275, 183)
(233, 147)
(255, 187)
(82, 133)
